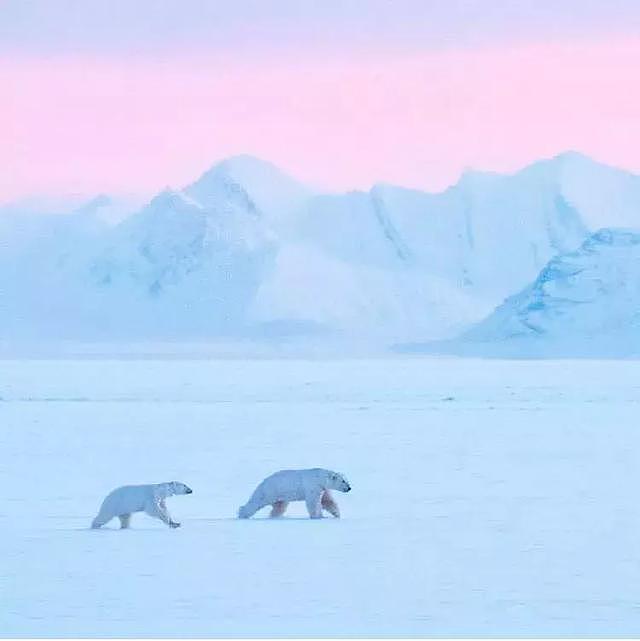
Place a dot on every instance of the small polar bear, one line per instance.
(311, 486)
(123, 501)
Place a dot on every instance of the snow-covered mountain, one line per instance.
(582, 299)
(246, 249)
(405, 263)
(184, 267)
(263, 186)
(465, 235)
(107, 208)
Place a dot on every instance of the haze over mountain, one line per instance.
(247, 251)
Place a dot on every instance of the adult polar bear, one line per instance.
(311, 486)
(123, 501)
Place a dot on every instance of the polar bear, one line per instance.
(311, 486)
(123, 501)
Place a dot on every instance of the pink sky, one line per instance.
(84, 123)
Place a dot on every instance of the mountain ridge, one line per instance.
(244, 247)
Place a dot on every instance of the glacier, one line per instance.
(585, 301)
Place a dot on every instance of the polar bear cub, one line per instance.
(311, 486)
(123, 501)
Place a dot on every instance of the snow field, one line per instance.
(489, 498)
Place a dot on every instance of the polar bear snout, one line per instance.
(338, 482)
(188, 490)
(343, 484)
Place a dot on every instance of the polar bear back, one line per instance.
(290, 485)
(128, 499)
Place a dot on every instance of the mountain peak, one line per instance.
(243, 169)
(101, 200)
(572, 161)
(572, 155)
(243, 163)
(272, 191)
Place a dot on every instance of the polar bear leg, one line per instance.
(158, 510)
(313, 504)
(124, 521)
(329, 504)
(278, 509)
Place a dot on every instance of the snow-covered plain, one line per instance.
(489, 497)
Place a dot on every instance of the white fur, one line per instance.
(126, 500)
(311, 486)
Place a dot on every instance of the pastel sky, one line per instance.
(130, 96)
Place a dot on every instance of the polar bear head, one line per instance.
(175, 487)
(337, 481)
